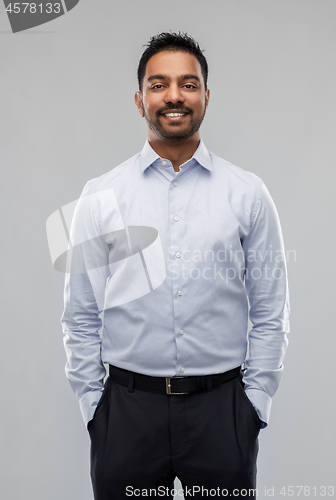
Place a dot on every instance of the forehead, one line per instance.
(173, 64)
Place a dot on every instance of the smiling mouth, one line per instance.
(171, 114)
(174, 116)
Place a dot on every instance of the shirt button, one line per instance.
(181, 332)
(178, 255)
(176, 218)
(179, 292)
(164, 162)
(182, 369)
(175, 183)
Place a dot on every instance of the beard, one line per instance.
(172, 135)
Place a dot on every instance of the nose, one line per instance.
(173, 94)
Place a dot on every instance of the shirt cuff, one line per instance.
(262, 403)
(88, 404)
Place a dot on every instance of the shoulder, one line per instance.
(244, 189)
(106, 181)
(235, 174)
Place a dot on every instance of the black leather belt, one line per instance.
(171, 385)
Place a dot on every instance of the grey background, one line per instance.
(68, 115)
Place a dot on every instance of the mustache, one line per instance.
(174, 108)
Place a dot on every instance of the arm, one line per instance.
(267, 290)
(82, 293)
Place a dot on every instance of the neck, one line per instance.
(176, 152)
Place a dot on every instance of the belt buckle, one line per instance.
(168, 387)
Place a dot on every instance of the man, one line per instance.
(173, 244)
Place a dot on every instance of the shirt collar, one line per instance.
(148, 156)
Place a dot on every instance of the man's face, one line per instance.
(173, 99)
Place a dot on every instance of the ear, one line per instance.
(207, 98)
(138, 103)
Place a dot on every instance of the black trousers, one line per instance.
(140, 441)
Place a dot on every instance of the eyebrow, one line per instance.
(165, 77)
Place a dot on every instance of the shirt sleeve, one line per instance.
(87, 267)
(267, 290)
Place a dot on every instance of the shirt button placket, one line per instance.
(177, 229)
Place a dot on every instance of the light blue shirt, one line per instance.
(166, 268)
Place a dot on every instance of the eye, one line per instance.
(157, 86)
(190, 86)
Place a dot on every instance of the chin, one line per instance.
(178, 138)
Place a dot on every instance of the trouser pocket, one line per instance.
(100, 404)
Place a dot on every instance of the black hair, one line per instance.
(174, 42)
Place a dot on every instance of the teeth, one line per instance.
(174, 114)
